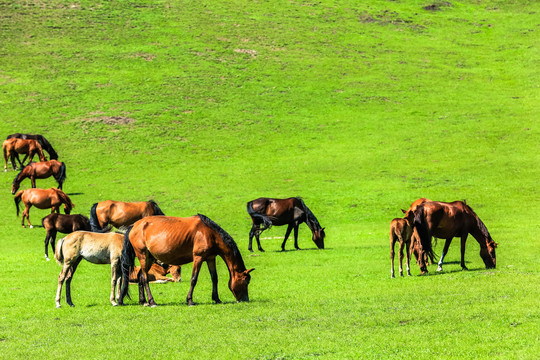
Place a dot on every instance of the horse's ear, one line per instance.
(495, 244)
(404, 211)
(250, 270)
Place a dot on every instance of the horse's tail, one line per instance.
(94, 223)
(58, 254)
(127, 263)
(257, 216)
(61, 176)
(422, 228)
(17, 199)
(4, 147)
(157, 209)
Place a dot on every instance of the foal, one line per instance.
(94, 247)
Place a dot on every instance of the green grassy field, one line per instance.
(358, 108)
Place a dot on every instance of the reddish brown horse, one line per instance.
(14, 146)
(449, 220)
(266, 212)
(179, 241)
(42, 199)
(158, 273)
(65, 224)
(40, 170)
(45, 144)
(118, 213)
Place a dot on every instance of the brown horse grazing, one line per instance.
(291, 212)
(118, 213)
(179, 241)
(449, 220)
(13, 146)
(42, 199)
(65, 224)
(40, 170)
(158, 273)
(45, 144)
(93, 247)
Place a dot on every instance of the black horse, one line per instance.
(266, 212)
(40, 139)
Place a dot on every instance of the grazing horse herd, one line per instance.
(163, 243)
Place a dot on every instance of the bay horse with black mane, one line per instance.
(292, 212)
(42, 199)
(30, 148)
(40, 170)
(446, 221)
(66, 224)
(119, 213)
(178, 241)
(45, 144)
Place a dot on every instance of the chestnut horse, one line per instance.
(40, 170)
(45, 144)
(65, 224)
(118, 213)
(158, 273)
(42, 199)
(179, 241)
(13, 146)
(93, 247)
(291, 212)
(446, 221)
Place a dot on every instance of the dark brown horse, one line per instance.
(45, 145)
(179, 241)
(266, 212)
(13, 146)
(66, 224)
(42, 199)
(158, 273)
(40, 170)
(449, 220)
(118, 213)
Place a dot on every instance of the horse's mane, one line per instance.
(481, 226)
(310, 217)
(227, 239)
(20, 172)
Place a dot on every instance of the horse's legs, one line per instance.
(408, 254)
(115, 264)
(463, 240)
(51, 236)
(33, 181)
(213, 274)
(61, 278)
(197, 262)
(146, 264)
(254, 230)
(287, 233)
(296, 237)
(26, 213)
(392, 254)
(444, 252)
(401, 243)
(69, 277)
(258, 232)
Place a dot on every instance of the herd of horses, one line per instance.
(162, 244)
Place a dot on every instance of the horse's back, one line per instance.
(170, 240)
(98, 248)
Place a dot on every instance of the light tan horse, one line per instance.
(14, 146)
(93, 247)
(42, 199)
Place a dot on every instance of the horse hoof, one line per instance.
(48, 259)
(439, 268)
(31, 227)
(58, 306)
(72, 305)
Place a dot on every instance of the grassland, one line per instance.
(358, 108)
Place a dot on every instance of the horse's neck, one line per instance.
(234, 262)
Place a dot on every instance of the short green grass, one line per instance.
(358, 108)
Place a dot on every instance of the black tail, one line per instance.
(263, 219)
(127, 263)
(157, 210)
(421, 227)
(61, 176)
(17, 199)
(94, 223)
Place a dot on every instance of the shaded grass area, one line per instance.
(358, 108)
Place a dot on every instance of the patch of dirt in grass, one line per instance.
(437, 6)
(108, 120)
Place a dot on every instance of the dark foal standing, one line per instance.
(266, 212)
